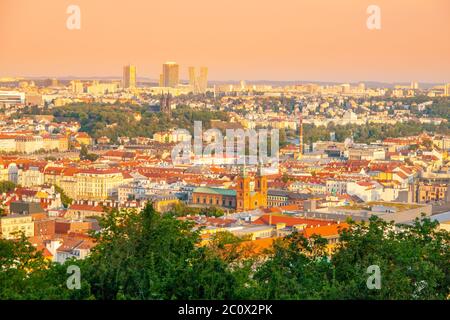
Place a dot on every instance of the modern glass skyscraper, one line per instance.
(129, 77)
(170, 75)
(198, 82)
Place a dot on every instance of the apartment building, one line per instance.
(11, 226)
(427, 192)
(94, 184)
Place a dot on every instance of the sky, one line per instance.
(297, 40)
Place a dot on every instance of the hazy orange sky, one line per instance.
(315, 40)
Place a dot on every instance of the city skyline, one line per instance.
(292, 41)
(186, 80)
(170, 76)
(222, 151)
(129, 77)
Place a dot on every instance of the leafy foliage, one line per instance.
(409, 257)
(181, 210)
(65, 199)
(7, 186)
(146, 255)
(151, 256)
(371, 132)
(122, 120)
(85, 155)
(27, 275)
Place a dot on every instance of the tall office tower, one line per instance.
(77, 86)
(192, 79)
(203, 79)
(361, 87)
(243, 85)
(414, 85)
(129, 77)
(198, 82)
(170, 75)
(447, 91)
(345, 88)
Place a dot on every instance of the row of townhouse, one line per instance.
(367, 189)
(312, 186)
(141, 189)
(380, 182)
(29, 143)
(89, 184)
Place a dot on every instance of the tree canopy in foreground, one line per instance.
(146, 255)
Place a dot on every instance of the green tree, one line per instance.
(180, 209)
(285, 178)
(27, 275)
(414, 260)
(7, 186)
(83, 152)
(65, 199)
(297, 269)
(146, 255)
(283, 137)
(85, 155)
(212, 212)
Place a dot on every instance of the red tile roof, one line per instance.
(290, 221)
(325, 231)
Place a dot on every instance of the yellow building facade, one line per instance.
(251, 193)
(97, 184)
(12, 226)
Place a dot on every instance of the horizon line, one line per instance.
(114, 77)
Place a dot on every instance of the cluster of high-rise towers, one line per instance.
(170, 77)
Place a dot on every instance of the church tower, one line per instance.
(251, 193)
(165, 104)
(243, 191)
(261, 187)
